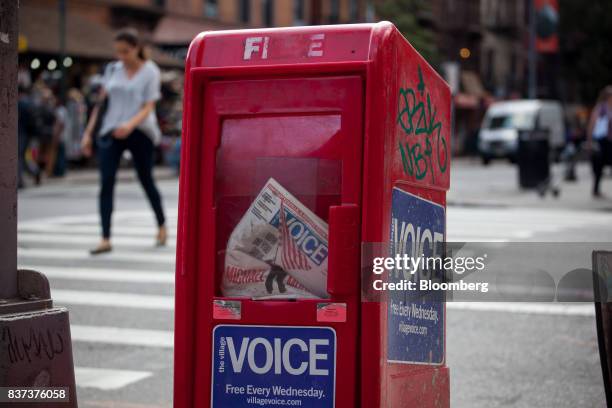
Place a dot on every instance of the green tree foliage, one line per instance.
(586, 45)
(405, 15)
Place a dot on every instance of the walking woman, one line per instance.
(600, 136)
(128, 121)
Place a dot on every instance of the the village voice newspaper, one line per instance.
(278, 249)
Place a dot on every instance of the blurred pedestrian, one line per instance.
(75, 124)
(57, 160)
(600, 137)
(576, 120)
(26, 131)
(45, 124)
(127, 122)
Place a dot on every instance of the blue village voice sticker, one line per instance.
(268, 366)
(415, 329)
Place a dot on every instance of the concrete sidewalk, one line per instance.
(473, 184)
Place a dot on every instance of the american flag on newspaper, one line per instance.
(291, 257)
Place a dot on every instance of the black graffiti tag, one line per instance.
(36, 344)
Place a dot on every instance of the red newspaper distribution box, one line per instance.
(355, 125)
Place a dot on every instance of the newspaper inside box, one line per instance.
(272, 206)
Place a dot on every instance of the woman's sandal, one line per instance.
(101, 249)
(162, 237)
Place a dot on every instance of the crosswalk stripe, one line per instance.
(83, 255)
(112, 299)
(145, 222)
(122, 336)
(577, 309)
(505, 213)
(493, 220)
(461, 238)
(126, 215)
(488, 232)
(107, 379)
(489, 225)
(89, 241)
(96, 224)
(102, 275)
(516, 231)
(539, 218)
(502, 219)
(117, 229)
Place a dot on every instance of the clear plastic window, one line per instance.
(302, 157)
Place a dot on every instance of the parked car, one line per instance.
(498, 136)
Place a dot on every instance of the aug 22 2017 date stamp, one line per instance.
(34, 394)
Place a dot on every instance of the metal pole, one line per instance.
(8, 149)
(62, 49)
(602, 269)
(26, 310)
(533, 55)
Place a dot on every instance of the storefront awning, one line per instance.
(178, 31)
(84, 38)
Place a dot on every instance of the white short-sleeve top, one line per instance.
(126, 96)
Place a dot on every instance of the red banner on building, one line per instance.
(547, 23)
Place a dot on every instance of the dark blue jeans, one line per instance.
(600, 157)
(110, 151)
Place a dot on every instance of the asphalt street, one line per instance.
(121, 304)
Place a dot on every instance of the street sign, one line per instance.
(258, 366)
(415, 330)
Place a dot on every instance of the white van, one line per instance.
(498, 136)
